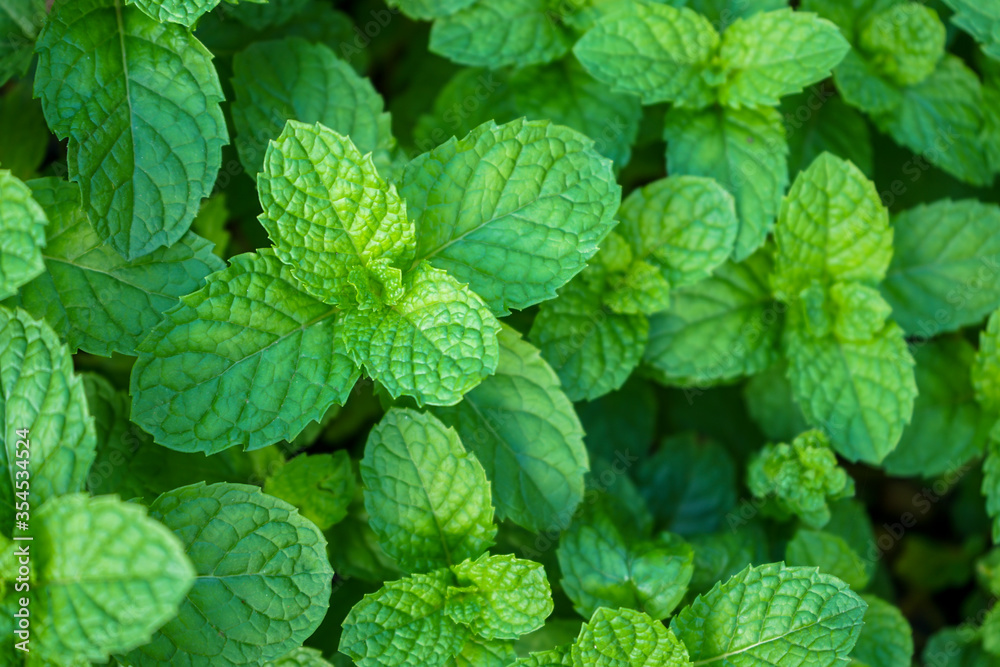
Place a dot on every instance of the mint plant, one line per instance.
(482, 333)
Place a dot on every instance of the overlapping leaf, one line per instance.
(22, 224)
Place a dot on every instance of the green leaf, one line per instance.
(526, 434)
(986, 367)
(210, 223)
(833, 227)
(139, 102)
(828, 552)
(745, 151)
(817, 123)
(427, 498)
(886, 639)
(25, 143)
(773, 54)
(22, 224)
(300, 657)
(948, 428)
(621, 425)
(850, 15)
(497, 33)
(557, 657)
(593, 349)
(657, 52)
(105, 578)
(333, 220)
(500, 597)
(722, 13)
(184, 12)
(686, 225)
(514, 210)
(627, 638)
(860, 392)
(195, 386)
(321, 486)
(435, 344)
(781, 616)
(404, 623)
(483, 653)
(957, 647)
(40, 393)
(722, 554)
(293, 79)
(118, 440)
(902, 43)
(863, 87)
(991, 481)
(263, 578)
(260, 16)
(769, 402)
(719, 329)
(429, 9)
(981, 19)
(97, 300)
(943, 253)
(20, 21)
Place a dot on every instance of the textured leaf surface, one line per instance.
(22, 225)
(886, 639)
(261, 16)
(247, 360)
(942, 252)
(427, 498)
(744, 150)
(483, 653)
(334, 221)
(435, 344)
(902, 43)
(515, 211)
(139, 101)
(497, 33)
(860, 392)
(828, 552)
(722, 328)
(773, 54)
(321, 486)
(429, 9)
(557, 657)
(627, 638)
(293, 79)
(782, 616)
(97, 300)
(657, 52)
(404, 623)
(500, 597)
(263, 578)
(40, 392)
(184, 12)
(525, 432)
(20, 21)
(300, 657)
(90, 554)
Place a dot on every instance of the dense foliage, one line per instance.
(596, 333)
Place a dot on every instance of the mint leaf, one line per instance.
(769, 401)
(22, 223)
(828, 552)
(745, 151)
(834, 127)
(904, 44)
(886, 639)
(484, 653)
(525, 432)
(627, 638)
(773, 54)
(514, 210)
(321, 486)
(724, 553)
(864, 87)
(654, 51)
(20, 22)
(184, 12)
(292, 79)
(139, 102)
(775, 614)
(427, 498)
(300, 657)
(558, 657)
(981, 19)
(263, 577)
(90, 556)
(260, 16)
(193, 386)
(97, 300)
(991, 481)
(429, 9)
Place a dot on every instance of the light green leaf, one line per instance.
(886, 639)
(497, 33)
(263, 578)
(684, 224)
(293, 79)
(526, 434)
(139, 102)
(404, 624)
(105, 578)
(303, 656)
(557, 657)
(949, 428)
(22, 225)
(903, 43)
(981, 19)
(97, 300)
(781, 616)
(817, 123)
(321, 486)
(593, 349)
(197, 387)
(860, 392)
(429, 9)
(627, 638)
(986, 367)
(514, 210)
(427, 498)
(500, 597)
(435, 344)
(40, 393)
(828, 552)
(334, 221)
(863, 87)
(943, 265)
(719, 329)
(479, 652)
(833, 227)
(657, 52)
(745, 151)
(20, 21)
(849, 15)
(640, 290)
(184, 12)
(773, 54)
